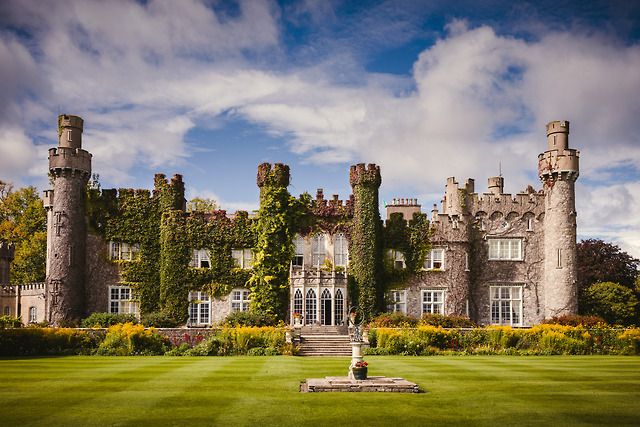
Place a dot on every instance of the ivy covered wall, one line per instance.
(160, 274)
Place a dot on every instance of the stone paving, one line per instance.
(371, 384)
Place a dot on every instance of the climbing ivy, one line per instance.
(269, 281)
(412, 239)
(365, 244)
(174, 261)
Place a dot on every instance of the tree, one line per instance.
(202, 205)
(23, 223)
(613, 302)
(599, 261)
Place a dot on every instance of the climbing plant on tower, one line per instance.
(365, 243)
(269, 282)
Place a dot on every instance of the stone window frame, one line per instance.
(310, 307)
(199, 308)
(433, 302)
(298, 257)
(502, 301)
(338, 307)
(397, 301)
(7, 310)
(396, 258)
(243, 258)
(501, 252)
(239, 299)
(430, 265)
(340, 250)
(121, 300)
(33, 314)
(123, 251)
(200, 258)
(318, 249)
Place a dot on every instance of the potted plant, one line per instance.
(359, 370)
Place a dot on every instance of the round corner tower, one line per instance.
(69, 168)
(558, 169)
(366, 256)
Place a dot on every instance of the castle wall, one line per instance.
(527, 273)
(100, 274)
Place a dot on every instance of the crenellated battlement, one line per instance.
(556, 162)
(365, 175)
(335, 200)
(171, 193)
(69, 159)
(67, 120)
(277, 175)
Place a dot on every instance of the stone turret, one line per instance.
(496, 185)
(558, 169)
(70, 169)
(366, 255)
(6, 256)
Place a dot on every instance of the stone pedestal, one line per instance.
(356, 356)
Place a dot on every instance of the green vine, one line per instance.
(274, 247)
(366, 248)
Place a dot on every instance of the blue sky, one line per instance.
(425, 89)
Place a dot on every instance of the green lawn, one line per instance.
(263, 391)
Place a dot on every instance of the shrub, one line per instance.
(159, 319)
(447, 321)
(249, 318)
(104, 320)
(576, 320)
(243, 340)
(181, 350)
(613, 302)
(132, 340)
(10, 322)
(47, 341)
(630, 340)
(393, 320)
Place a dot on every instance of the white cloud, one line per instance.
(144, 75)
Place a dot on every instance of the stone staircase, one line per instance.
(324, 341)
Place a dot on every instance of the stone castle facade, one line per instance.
(496, 258)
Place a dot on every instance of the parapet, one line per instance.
(278, 175)
(67, 120)
(559, 162)
(404, 206)
(335, 200)
(69, 159)
(361, 175)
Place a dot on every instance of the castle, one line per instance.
(496, 258)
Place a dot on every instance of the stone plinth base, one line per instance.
(371, 384)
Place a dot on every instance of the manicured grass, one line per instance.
(263, 391)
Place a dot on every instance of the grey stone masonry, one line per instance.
(70, 168)
(558, 169)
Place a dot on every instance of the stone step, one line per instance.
(325, 345)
